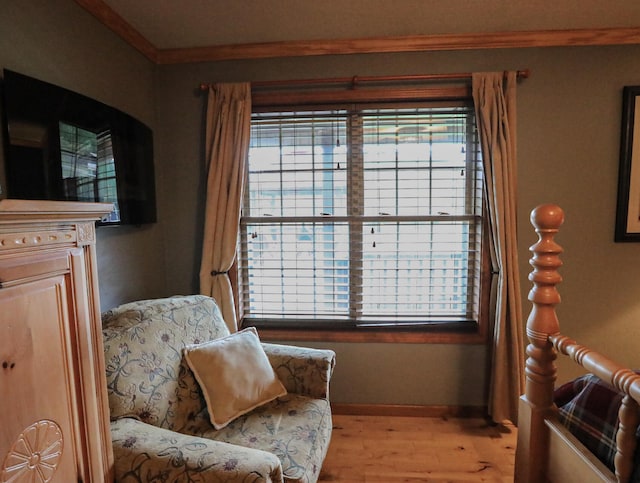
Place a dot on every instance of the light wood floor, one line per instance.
(413, 449)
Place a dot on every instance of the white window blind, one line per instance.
(362, 217)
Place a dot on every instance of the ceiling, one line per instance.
(189, 24)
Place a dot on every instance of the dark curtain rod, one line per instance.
(355, 81)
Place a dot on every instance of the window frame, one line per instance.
(477, 334)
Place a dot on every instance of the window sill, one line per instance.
(383, 336)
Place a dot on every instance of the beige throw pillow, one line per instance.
(234, 374)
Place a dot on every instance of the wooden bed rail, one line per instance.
(545, 342)
(621, 378)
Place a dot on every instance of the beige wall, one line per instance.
(569, 127)
(569, 141)
(66, 46)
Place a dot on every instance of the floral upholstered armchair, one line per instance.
(191, 402)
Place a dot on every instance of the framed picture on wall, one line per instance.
(628, 207)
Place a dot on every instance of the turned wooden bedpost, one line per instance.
(540, 369)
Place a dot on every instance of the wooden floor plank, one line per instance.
(377, 449)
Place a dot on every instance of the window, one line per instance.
(362, 217)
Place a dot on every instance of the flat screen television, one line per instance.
(61, 145)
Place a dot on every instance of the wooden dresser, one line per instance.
(54, 422)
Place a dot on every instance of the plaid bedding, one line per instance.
(588, 407)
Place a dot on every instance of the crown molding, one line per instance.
(414, 43)
(111, 19)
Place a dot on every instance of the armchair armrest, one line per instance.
(143, 452)
(302, 370)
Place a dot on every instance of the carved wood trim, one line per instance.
(35, 454)
(11, 241)
(86, 233)
(303, 48)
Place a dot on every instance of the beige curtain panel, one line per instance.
(494, 96)
(228, 126)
